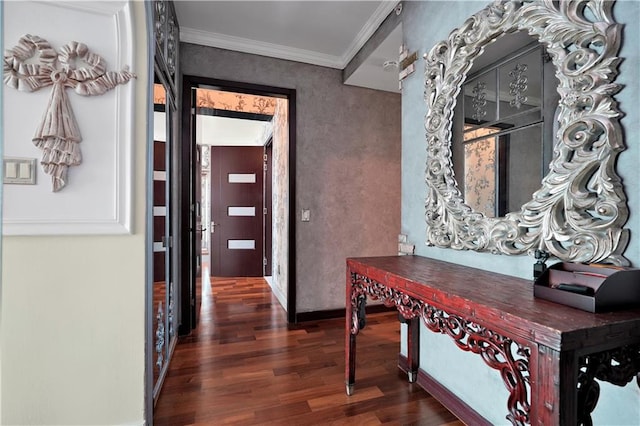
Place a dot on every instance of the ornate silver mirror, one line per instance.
(578, 211)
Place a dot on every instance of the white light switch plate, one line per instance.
(19, 170)
(306, 215)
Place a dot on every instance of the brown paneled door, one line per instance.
(237, 211)
(198, 228)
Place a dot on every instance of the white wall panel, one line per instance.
(97, 197)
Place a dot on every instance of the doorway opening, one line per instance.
(241, 140)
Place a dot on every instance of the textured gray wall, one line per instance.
(347, 165)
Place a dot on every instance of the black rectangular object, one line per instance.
(590, 287)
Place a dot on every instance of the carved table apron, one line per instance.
(548, 354)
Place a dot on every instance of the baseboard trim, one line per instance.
(458, 407)
(277, 292)
(403, 363)
(338, 313)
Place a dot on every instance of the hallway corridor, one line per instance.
(244, 366)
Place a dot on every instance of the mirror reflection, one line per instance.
(503, 129)
(577, 211)
(164, 297)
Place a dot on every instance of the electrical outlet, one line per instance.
(306, 215)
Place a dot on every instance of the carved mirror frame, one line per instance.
(578, 213)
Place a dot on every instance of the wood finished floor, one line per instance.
(244, 366)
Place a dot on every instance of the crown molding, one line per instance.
(246, 45)
(223, 41)
(380, 14)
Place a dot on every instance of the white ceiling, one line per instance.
(225, 131)
(220, 131)
(325, 33)
(371, 74)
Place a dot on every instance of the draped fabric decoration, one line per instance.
(34, 64)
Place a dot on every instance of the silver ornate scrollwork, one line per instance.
(579, 211)
(479, 101)
(518, 86)
(171, 312)
(160, 19)
(206, 158)
(160, 336)
(167, 38)
(172, 42)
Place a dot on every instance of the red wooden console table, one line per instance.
(548, 355)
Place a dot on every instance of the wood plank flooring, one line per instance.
(244, 366)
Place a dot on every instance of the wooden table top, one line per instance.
(500, 302)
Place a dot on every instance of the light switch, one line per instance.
(10, 170)
(25, 171)
(19, 170)
(306, 215)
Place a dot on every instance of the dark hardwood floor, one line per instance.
(244, 366)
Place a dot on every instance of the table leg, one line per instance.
(351, 364)
(413, 348)
(554, 395)
(350, 338)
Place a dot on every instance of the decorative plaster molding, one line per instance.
(380, 14)
(222, 41)
(76, 212)
(58, 135)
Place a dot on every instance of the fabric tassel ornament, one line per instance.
(58, 135)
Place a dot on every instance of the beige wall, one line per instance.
(72, 324)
